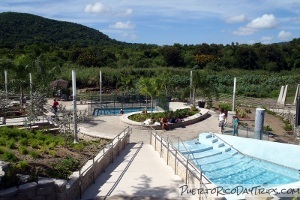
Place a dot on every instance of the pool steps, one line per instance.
(219, 161)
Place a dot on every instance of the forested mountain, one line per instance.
(26, 29)
(50, 49)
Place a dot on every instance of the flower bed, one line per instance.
(202, 114)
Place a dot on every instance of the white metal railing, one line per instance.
(190, 168)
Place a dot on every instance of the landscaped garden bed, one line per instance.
(41, 154)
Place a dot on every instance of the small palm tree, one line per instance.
(203, 87)
(149, 87)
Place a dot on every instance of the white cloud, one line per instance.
(264, 22)
(284, 35)
(98, 7)
(122, 25)
(236, 19)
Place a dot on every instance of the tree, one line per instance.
(172, 56)
(246, 57)
(21, 72)
(203, 87)
(149, 87)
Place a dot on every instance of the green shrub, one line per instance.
(2, 150)
(268, 128)
(22, 165)
(34, 143)
(11, 144)
(241, 112)
(53, 153)
(3, 141)
(225, 106)
(34, 154)
(40, 136)
(180, 113)
(44, 149)
(23, 150)
(9, 156)
(10, 178)
(24, 141)
(287, 127)
(64, 169)
(79, 146)
(51, 145)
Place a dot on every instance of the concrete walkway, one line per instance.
(137, 172)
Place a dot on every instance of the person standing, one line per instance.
(235, 125)
(222, 118)
(55, 106)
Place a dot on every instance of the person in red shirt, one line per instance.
(55, 106)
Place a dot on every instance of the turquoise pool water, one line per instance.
(226, 167)
(116, 111)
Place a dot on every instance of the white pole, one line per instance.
(233, 97)
(100, 87)
(30, 81)
(296, 94)
(191, 84)
(5, 77)
(74, 106)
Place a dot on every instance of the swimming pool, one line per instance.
(226, 167)
(116, 111)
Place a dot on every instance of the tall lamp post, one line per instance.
(74, 106)
(100, 95)
(191, 85)
(5, 79)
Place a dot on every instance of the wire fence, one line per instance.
(287, 111)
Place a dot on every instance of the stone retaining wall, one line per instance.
(79, 181)
(201, 115)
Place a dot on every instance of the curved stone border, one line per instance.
(201, 115)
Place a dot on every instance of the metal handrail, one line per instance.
(105, 149)
(192, 154)
(168, 145)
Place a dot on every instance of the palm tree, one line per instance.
(21, 71)
(149, 87)
(203, 87)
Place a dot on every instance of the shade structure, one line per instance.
(59, 84)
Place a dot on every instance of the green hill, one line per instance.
(21, 29)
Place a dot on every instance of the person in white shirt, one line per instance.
(222, 119)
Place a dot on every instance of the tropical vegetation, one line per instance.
(50, 49)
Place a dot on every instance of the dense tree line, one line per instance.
(49, 49)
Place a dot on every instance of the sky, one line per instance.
(168, 22)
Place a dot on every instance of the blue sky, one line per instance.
(165, 22)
